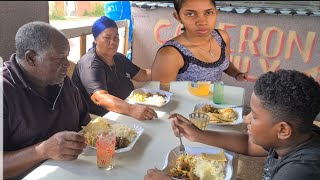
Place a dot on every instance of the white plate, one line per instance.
(238, 110)
(153, 91)
(174, 153)
(139, 130)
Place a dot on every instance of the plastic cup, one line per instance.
(201, 120)
(218, 92)
(105, 145)
(165, 86)
(200, 88)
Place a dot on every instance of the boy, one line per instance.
(284, 105)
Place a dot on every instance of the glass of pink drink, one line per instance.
(105, 150)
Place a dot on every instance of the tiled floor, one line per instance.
(250, 168)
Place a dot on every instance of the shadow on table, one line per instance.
(170, 107)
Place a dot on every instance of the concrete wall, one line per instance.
(14, 14)
(259, 42)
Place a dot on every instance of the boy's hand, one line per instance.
(183, 127)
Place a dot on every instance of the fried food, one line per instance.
(196, 167)
(208, 109)
(228, 114)
(124, 134)
(93, 128)
(219, 115)
(183, 168)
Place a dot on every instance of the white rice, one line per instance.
(122, 130)
(209, 169)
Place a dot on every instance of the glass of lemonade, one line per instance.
(105, 144)
(199, 88)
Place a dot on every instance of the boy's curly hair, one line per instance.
(291, 96)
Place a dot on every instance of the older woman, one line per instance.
(104, 76)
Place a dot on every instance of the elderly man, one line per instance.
(42, 109)
(104, 76)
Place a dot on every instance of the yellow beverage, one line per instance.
(200, 88)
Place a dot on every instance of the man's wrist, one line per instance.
(39, 148)
(130, 109)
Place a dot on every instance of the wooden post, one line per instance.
(126, 37)
(83, 45)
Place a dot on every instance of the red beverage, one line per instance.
(105, 150)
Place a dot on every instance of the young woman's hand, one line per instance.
(242, 76)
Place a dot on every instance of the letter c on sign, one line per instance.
(161, 24)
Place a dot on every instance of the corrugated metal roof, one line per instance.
(309, 8)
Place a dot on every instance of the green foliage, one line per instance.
(55, 15)
(97, 11)
(86, 13)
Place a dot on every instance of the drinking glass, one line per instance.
(105, 150)
(201, 120)
(218, 92)
(165, 86)
(200, 88)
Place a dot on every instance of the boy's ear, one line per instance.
(176, 16)
(30, 57)
(284, 131)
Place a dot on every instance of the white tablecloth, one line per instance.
(151, 148)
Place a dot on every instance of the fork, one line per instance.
(244, 106)
(181, 147)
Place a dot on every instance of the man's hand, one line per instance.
(142, 112)
(156, 174)
(65, 145)
(183, 127)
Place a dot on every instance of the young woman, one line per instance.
(201, 52)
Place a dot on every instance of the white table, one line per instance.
(151, 148)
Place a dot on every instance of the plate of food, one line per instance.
(126, 134)
(199, 163)
(220, 114)
(149, 97)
